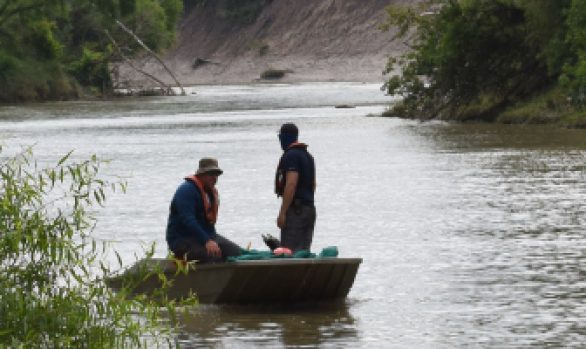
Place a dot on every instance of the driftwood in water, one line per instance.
(274, 74)
(198, 62)
(141, 43)
(168, 90)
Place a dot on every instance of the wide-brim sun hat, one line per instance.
(209, 166)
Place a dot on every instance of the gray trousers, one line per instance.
(299, 224)
(191, 249)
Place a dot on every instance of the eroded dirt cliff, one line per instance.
(311, 40)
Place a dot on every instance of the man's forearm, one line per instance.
(288, 195)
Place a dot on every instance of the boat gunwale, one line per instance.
(169, 265)
(278, 262)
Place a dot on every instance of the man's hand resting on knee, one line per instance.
(213, 249)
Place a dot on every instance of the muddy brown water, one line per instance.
(473, 236)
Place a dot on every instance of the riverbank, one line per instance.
(308, 41)
(551, 107)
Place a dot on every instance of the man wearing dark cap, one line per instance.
(191, 232)
(295, 183)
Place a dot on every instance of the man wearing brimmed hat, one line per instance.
(191, 232)
(295, 183)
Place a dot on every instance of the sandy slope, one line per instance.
(317, 40)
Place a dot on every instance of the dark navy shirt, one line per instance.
(301, 161)
(187, 217)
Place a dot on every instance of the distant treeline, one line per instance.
(53, 49)
(505, 60)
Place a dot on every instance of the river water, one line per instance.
(472, 235)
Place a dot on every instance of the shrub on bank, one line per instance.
(575, 119)
(545, 108)
(27, 80)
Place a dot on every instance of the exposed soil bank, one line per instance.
(308, 40)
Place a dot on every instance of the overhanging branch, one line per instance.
(129, 62)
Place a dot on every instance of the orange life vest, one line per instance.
(211, 209)
(281, 175)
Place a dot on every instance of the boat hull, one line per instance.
(254, 281)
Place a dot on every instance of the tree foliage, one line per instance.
(473, 58)
(574, 69)
(49, 34)
(51, 270)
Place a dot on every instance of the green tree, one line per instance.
(546, 30)
(30, 51)
(61, 43)
(476, 58)
(466, 52)
(573, 78)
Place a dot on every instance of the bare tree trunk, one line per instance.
(168, 90)
(121, 25)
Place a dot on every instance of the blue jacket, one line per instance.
(187, 216)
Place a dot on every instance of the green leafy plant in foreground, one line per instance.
(52, 288)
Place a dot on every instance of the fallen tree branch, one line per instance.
(131, 33)
(166, 87)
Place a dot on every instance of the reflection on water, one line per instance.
(309, 325)
(472, 235)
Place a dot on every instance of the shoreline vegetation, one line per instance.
(65, 49)
(507, 61)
